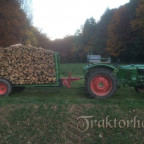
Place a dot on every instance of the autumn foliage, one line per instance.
(15, 26)
(126, 32)
(118, 32)
(137, 24)
(12, 22)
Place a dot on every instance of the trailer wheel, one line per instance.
(139, 89)
(101, 83)
(5, 87)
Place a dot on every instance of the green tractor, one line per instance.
(103, 78)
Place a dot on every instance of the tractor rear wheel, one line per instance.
(139, 89)
(5, 87)
(101, 83)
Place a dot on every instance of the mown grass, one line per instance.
(43, 115)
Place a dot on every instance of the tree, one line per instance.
(88, 34)
(13, 23)
(26, 5)
(119, 32)
(138, 23)
(101, 33)
(15, 27)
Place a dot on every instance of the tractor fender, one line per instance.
(92, 67)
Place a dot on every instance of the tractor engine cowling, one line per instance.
(133, 75)
(141, 76)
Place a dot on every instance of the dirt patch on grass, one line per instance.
(75, 107)
(70, 132)
(6, 110)
(88, 106)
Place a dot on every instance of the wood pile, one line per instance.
(27, 65)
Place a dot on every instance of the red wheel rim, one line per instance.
(101, 85)
(3, 88)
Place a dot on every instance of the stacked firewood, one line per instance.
(27, 65)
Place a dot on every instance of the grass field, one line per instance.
(50, 115)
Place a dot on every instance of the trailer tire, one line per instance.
(100, 83)
(5, 87)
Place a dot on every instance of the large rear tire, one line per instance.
(100, 83)
(5, 87)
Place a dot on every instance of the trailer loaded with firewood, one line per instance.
(28, 66)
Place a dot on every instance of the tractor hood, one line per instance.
(132, 66)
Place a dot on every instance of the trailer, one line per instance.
(7, 87)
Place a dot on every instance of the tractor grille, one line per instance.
(141, 75)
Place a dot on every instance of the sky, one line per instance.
(60, 18)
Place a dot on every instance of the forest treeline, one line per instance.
(118, 34)
(16, 24)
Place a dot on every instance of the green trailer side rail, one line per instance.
(57, 67)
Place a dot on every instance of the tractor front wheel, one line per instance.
(5, 87)
(101, 83)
